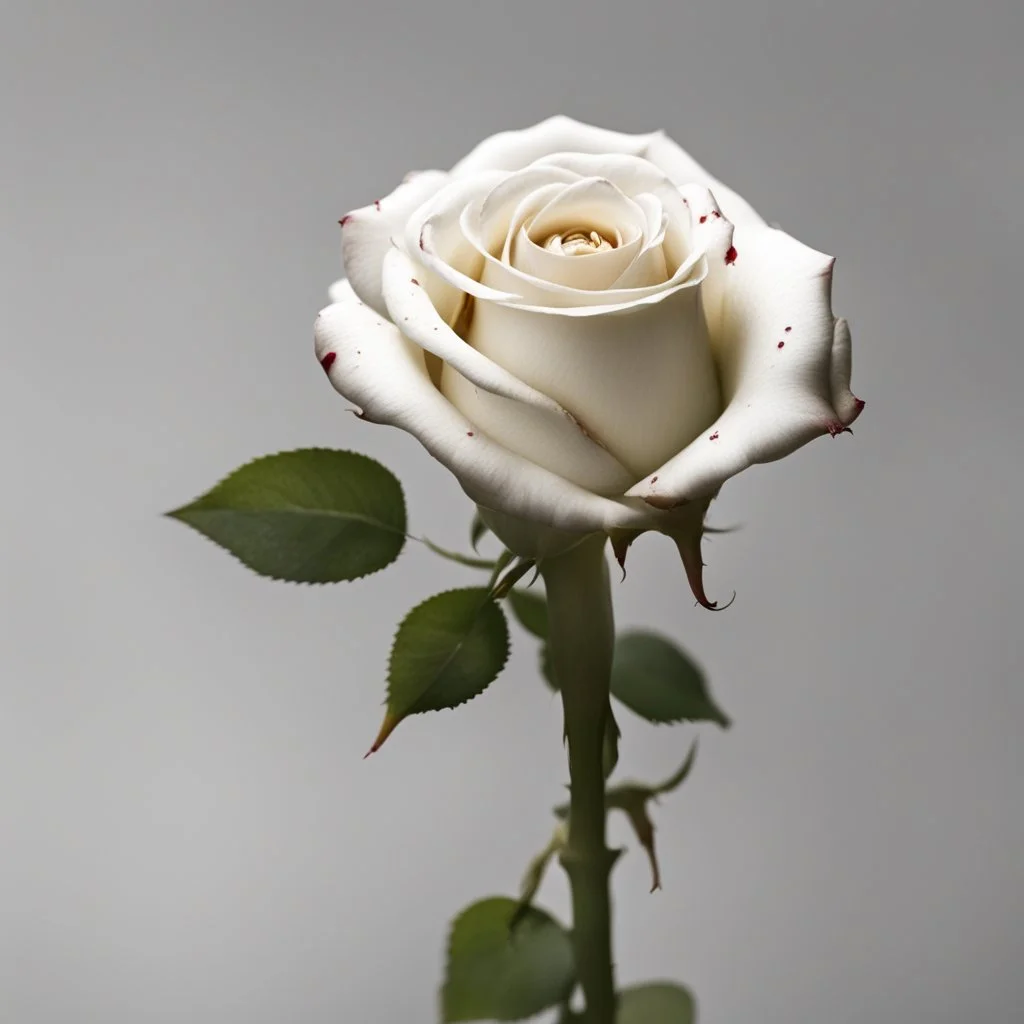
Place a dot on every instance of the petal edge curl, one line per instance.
(781, 358)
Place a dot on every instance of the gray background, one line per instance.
(188, 830)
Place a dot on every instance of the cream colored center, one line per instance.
(578, 243)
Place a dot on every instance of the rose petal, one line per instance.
(492, 219)
(591, 204)
(620, 375)
(778, 396)
(516, 415)
(649, 267)
(551, 297)
(366, 233)
(595, 271)
(410, 308)
(512, 150)
(433, 232)
(633, 175)
(385, 376)
(552, 440)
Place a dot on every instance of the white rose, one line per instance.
(589, 331)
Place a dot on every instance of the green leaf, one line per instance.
(503, 587)
(309, 516)
(531, 610)
(657, 680)
(477, 529)
(494, 975)
(447, 650)
(656, 1003)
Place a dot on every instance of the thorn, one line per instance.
(689, 551)
(621, 540)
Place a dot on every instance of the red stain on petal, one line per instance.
(704, 218)
(782, 344)
(730, 255)
(469, 433)
(344, 220)
(715, 214)
(414, 281)
(376, 205)
(654, 479)
(328, 361)
(714, 436)
(859, 403)
(788, 329)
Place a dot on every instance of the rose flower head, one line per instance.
(589, 331)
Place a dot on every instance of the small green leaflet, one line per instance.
(495, 974)
(656, 679)
(447, 650)
(313, 515)
(656, 1003)
(477, 529)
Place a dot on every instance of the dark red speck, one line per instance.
(782, 344)
(859, 403)
(788, 329)
(654, 479)
(730, 255)
(344, 220)
(714, 436)
(328, 360)
(469, 433)
(704, 218)
(414, 281)
(376, 205)
(715, 214)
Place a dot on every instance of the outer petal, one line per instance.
(366, 233)
(434, 233)
(512, 150)
(372, 365)
(774, 350)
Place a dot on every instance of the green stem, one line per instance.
(581, 635)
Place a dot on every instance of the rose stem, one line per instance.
(581, 635)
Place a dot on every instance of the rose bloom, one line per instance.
(589, 331)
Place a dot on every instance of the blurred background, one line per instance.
(188, 829)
